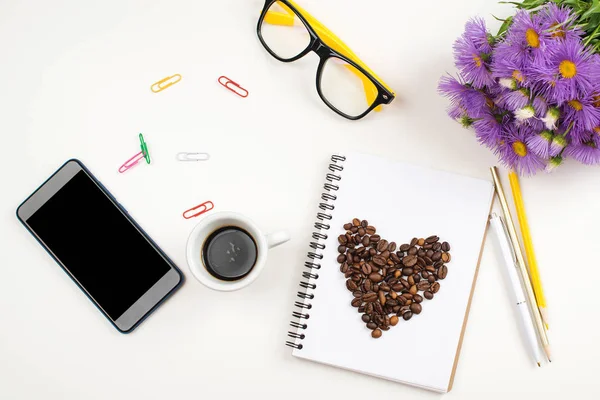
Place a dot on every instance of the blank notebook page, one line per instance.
(402, 202)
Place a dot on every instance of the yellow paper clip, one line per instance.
(165, 83)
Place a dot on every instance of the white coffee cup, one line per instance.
(220, 220)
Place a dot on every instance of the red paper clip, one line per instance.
(205, 207)
(233, 86)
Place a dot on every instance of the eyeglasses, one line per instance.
(344, 82)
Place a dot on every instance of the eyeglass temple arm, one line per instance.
(278, 18)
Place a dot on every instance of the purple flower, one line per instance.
(540, 144)
(582, 114)
(514, 100)
(557, 145)
(476, 32)
(529, 34)
(508, 64)
(541, 106)
(464, 99)
(488, 127)
(561, 22)
(587, 152)
(514, 152)
(568, 72)
(472, 62)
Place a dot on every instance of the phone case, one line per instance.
(114, 200)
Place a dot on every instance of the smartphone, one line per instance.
(99, 245)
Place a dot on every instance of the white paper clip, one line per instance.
(193, 156)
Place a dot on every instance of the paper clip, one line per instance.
(133, 161)
(205, 207)
(165, 83)
(233, 86)
(193, 156)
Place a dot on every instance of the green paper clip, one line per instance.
(144, 148)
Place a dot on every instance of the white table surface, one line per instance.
(75, 83)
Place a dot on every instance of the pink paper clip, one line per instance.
(204, 207)
(132, 162)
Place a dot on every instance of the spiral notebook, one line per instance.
(402, 201)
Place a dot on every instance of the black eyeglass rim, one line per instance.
(324, 52)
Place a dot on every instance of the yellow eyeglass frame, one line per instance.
(377, 92)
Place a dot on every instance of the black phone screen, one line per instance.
(103, 250)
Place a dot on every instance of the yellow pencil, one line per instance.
(534, 274)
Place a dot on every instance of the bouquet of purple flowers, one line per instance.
(532, 93)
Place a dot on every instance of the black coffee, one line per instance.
(229, 253)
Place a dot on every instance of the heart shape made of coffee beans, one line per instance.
(387, 281)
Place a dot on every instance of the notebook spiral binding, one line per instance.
(309, 277)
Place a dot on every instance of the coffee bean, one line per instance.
(356, 278)
(404, 247)
(376, 334)
(356, 302)
(354, 229)
(369, 297)
(397, 287)
(366, 241)
(375, 238)
(366, 318)
(437, 246)
(341, 249)
(361, 309)
(382, 245)
(421, 253)
(413, 289)
(431, 279)
(379, 261)
(370, 230)
(405, 284)
(349, 258)
(368, 285)
(414, 242)
(425, 274)
(407, 271)
(372, 325)
(407, 315)
(364, 223)
(427, 260)
(372, 252)
(436, 256)
(369, 308)
(409, 261)
(429, 253)
(357, 294)
(446, 246)
(432, 239)
(382, 298)
(342, 239)
(410, 279)
(385, 287)
(394, 257)
(392, 246)
(341, 258)
(417, 298)
(348, 273)
(428, 246)
(423, 285)
(366, 269)
(428, 295)
(356, 222)
(361, 232)
(392, 302)
(412, 251)
(421, 242)
(416, 308)
(416, 277)
(430, 268)
(347, 226)
(446, 257)
(351, 285)
(435, 287)
(393, 320)
(442, 272)
(385, 254)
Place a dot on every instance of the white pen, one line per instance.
(517, 287)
